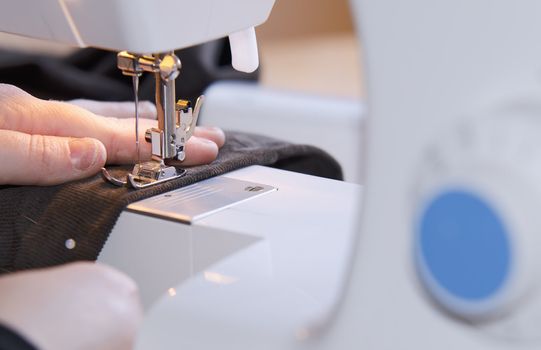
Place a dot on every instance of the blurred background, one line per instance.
(306, 45)
(310, 45)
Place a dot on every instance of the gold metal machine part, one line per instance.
(176, 120)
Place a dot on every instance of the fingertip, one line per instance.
(101, 154)
(212, 133)
(220, 137)
(208, 149)
(200, 151)
(87, 155)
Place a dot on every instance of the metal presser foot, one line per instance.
(146, 174)
(176, 121)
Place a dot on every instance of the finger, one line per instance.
(22, 112)
(211, 133)
(47, 160)
(200, 151)
(146, 109)
(121, 148)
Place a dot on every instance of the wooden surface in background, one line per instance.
(294, 18)
(327, 65)
(311, 46)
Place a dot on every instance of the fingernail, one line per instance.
(83, 153)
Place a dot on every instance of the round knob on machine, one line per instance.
(478, 219)
(465, 253)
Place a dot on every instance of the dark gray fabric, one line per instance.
(10, 340)
(35, 222)
(93, 74)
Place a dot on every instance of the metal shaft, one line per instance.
(165, 106)
(135, 81)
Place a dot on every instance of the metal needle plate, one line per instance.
(196, 201)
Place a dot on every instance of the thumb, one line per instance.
(48, 160)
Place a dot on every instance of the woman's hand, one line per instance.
(51, 142)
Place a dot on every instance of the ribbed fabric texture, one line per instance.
(36, 222)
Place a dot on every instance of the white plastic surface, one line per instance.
(431, 64)
(45, 19)
(279, 278)
(138, 26)
(159, 262)
(244, 54)
(490, 154)
(336, 125)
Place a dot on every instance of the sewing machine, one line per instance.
(148, 32)
(446, 257)
(270, 214)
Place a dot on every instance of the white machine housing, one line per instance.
(135, 26)
(454, 102)
(454, 99)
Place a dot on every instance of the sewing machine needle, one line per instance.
(135, 80)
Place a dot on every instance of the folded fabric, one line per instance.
(36, 222)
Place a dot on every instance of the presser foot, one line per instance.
(145, 175)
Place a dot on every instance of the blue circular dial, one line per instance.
(463, 246)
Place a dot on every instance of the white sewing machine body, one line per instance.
(294, 232)
(146, 34)
(139, 27)
(447, 255)
(454, 106)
